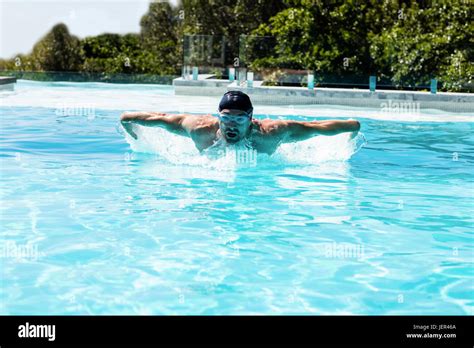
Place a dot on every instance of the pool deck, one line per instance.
(411, 101)
(7, 83)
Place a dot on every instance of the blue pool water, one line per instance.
(89, 226)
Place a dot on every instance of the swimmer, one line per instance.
(235, 124)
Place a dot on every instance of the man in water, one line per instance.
(235, 125)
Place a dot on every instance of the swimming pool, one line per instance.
(89, 226)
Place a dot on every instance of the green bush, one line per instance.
(405, 43)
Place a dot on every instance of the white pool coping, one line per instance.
(162, 98)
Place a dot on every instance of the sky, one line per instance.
(24, 22)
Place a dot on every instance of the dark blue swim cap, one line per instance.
(236, 100)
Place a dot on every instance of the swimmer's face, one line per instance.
(234, 124)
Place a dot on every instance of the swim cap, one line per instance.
(236, 100)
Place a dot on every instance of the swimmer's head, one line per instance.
(235, 116)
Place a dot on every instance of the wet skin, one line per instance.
(264, 135)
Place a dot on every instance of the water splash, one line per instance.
(322, 149)
(181, 150)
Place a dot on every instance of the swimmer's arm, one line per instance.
(172, 123)
(301, 130)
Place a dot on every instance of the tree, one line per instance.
(229, 18)
(160, 35)
(58, 51)
(428, 41)
(403, 42)
(112, 53)
(332, 38)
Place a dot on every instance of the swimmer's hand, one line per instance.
(354, 135)
(128, 126)
(356, 132)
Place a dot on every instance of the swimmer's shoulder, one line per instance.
(268, 126)
(200, 123)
